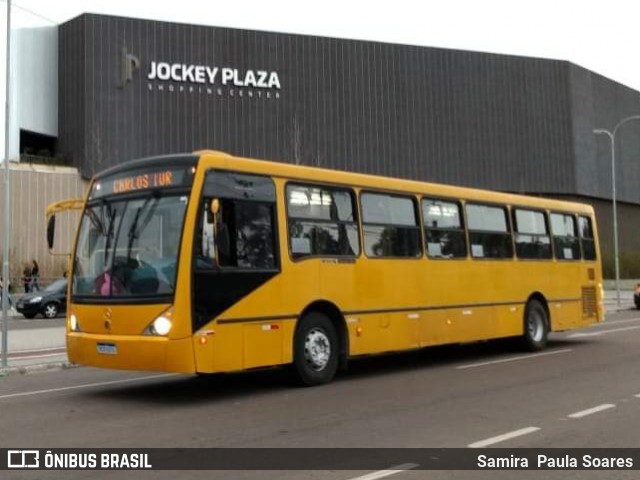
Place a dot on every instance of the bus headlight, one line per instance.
(161, 326)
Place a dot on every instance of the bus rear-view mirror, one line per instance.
(51, 231)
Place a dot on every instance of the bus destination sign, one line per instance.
(141, 180)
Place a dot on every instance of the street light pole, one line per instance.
(7, 208)
(612, 138)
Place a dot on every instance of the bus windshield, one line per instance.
(128, 248)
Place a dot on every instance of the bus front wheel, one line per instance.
(536, 326)
(315, 350)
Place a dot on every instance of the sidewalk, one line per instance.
(33, 349)
(611, 301)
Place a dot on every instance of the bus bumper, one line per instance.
(131, 352)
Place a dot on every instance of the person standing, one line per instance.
(26, 278)
(35, 274)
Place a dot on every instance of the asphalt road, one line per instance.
(583, 391)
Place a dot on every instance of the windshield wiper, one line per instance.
(95, 221)
(134, 231)
(109, 233)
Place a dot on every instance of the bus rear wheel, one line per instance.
(315, 350)
(536, 326)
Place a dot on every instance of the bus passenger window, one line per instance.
(489, 234)
(532, 235)
(443, 229)
(322, 222)
(565, 236)
(587, 238)
(390, 226)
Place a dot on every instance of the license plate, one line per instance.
(107, 349)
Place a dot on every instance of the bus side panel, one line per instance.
(367, 333)
(434, 328)
(565, 305)
(262, 344)
(219, 351)
(240, 346)
(509, 320)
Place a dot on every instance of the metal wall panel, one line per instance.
(484, 120)
(33, 187)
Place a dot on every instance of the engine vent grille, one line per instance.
(588, 301)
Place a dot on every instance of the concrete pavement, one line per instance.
(583, 391)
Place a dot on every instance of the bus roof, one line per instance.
(339, 177)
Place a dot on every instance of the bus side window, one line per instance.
(443, 228)
(587, 238)
(532, 234)
(489, 233)
(322, 221)
(565, 236)
(390, 225)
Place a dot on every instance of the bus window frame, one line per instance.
(593, 239)
(201, 212)
(463, 220)
(507, 209)
(416, 210)
(356, 213)
(547, 221)
(574, 215)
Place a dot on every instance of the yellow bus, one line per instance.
(206, 263)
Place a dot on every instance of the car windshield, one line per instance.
(57, 286)
(129, 248)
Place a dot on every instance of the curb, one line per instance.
(39, 368)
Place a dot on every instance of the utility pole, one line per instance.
(7, 207)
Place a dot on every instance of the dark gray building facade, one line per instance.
(131, 88)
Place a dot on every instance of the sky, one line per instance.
(603, 36)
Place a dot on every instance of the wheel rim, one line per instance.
(317, 349)
(50, 311)
(535, 325)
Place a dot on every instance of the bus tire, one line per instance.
(536, 326)
(315, 350)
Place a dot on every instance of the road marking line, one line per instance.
(637, 396)
(603, 332)
(28, 357)
(503, 437)
(38, 350)
(591, 411)
(612, 322)
(86, 385)
(513, 359)
(386, 473)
